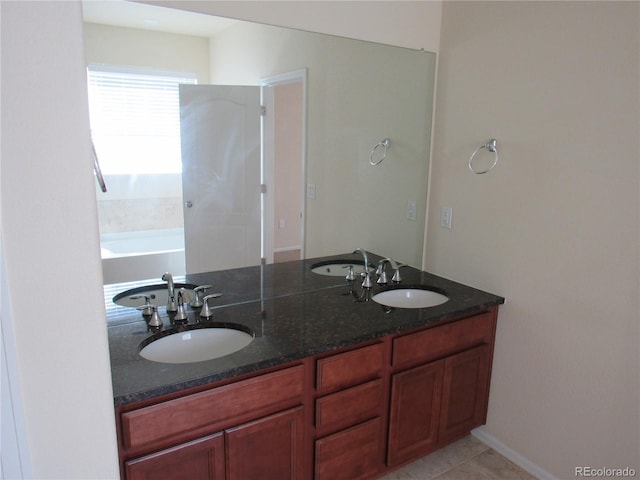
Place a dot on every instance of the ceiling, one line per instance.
(123, 13)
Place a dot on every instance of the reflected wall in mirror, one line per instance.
(358, 93)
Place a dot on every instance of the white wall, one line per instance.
(555, 226)
(50, 241)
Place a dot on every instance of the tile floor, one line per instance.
(466, 459)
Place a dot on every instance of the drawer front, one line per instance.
(349, 368)
(201, 459)
(437, 342)
(352, 454)
(348, 407)
(205, 412)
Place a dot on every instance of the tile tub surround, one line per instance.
(294, 313)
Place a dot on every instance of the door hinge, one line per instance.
(263, 110)
(263, 188)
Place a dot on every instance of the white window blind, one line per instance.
(135, 119)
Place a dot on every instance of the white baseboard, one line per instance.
(524, 463)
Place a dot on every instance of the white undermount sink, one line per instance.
(197, 345)
(339, 268)
(409, 298)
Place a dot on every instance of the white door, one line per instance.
(220, 138)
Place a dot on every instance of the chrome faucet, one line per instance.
(155, 322)
(171, 293)
(396, 274)
(197, 301)
(366, 283)
(206, 311)
(366, 280)
(181, 315)
(382, 274)
(146, 308)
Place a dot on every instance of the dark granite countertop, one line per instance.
(293, 312)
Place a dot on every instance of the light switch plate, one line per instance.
(411, 210)
(445, 217)
(311, 190)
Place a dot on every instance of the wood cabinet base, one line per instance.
(349, 415)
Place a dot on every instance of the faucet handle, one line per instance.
(351, 274)
(381, 272)
(197, 301)
(396, 275)
(366, 280)
(181, 315)
(206, 311)
(146, 308)
(155, 323)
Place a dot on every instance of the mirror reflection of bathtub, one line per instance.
(142, 254)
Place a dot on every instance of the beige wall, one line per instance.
(50, 243)
(555, 226)
(144, 48)
(412, 24)
(288, 167)
(358, 94)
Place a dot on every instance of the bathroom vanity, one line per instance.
(328, 389)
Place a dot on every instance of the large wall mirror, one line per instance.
(331, 102)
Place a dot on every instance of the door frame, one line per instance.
(268, 158)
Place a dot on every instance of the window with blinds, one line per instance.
(135, 119)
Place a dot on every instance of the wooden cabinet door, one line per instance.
(202, 459)
(465, 392)
(351, 454)
(415, 411)
(269, 448)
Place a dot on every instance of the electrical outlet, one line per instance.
(311, 190)
(411, 210)
(281, 223)
(445, 217)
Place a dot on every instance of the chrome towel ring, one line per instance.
(492, 147)
(386, 143)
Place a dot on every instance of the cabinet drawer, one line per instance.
(348, 407)
(349, 368)
(201, 459)
(204, 412)
(352, 454)
(440, 341)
